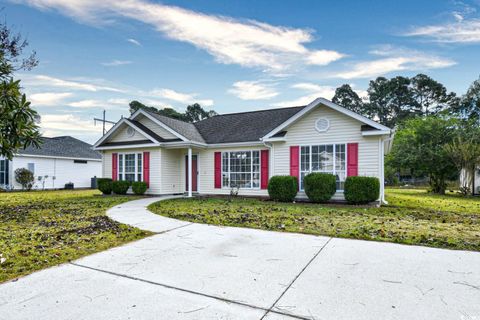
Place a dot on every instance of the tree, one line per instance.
(18, 127)
(25, 178)
(431, 96)
(193, 113)
(349, 99)
(464, 151)
(469, 106)
(391, 101)
(419, 145)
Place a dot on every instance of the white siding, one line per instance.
(165, 134)
(343, 129)
(465, 177)
(172, 178)
(155, 166)
(64, 171)
(121, 135)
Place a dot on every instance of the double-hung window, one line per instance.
(329, 158)
(3, 171)
(130, 166)
(241, 169)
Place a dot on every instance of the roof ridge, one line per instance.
(253, 111)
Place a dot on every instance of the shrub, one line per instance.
(25, 178)
(120, 187)
(361, 190)
(282, 188)
(320, 187)
(104, 185)
(139, 187)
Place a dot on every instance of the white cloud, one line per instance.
(252, 90)
(186, 98)
(135, 42)
(104, 104)
(394, 59)
(462, 30)
(231, 41)
(48, 98)
(47, 81)
(66, 123)
(314, 91)
(116, 63)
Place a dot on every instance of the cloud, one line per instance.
(461, 31)
(252, 90)
(116, 63)
(48, 98)
(104, 104)
(135, 42)
(314, 91)
(394, 59)
(47, 81)
(247, 43)
(186, 98)
(67, 123)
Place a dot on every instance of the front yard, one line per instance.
(412, 217)
(42, 229)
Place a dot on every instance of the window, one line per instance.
(3, 172)
(328, 158)
(241, 169)
(31, 168)
(130, 166)
(80, 161)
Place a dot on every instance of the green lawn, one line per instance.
(44, 228)
(412, 217)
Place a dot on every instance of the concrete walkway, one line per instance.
(194, 271)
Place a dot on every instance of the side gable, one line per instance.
(162, 132)
(122, 134)
(127, 132)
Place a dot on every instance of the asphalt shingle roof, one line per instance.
(64, 146)
(188, 130)
(244, 126)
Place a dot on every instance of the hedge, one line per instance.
(361, 190)
(282, 188)
(139, 187)
(120, 187)
(104, 185)
(320, 187)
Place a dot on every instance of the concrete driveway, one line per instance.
(193, 271)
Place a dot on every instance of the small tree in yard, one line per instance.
(464, 151)
(420, 145)
(25, 178)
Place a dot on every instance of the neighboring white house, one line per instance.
(58, 161)
(244, 149)
(467, 181)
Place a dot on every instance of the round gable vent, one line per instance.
(322, 125)
(130, 131)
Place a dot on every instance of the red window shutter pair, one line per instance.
(352, 160)
(264, 164)
(146, 167)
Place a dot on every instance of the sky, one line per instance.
(230, 56)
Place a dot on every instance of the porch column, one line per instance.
(189, 172)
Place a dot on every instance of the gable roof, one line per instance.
(64, 146)
(244, 126)
(188, 130)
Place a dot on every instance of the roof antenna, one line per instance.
(103, 121)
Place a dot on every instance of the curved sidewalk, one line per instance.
(135, 213)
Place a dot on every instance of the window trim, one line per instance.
(251, 169)
(310, 161)
(136, 173)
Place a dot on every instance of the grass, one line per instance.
(412, 217)
(45, 228)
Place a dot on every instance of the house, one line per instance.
(242, 150)
(469, 181)
(58, 161)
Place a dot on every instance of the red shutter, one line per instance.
(294, 154)
(352, 159)
(218, 170)
(146, 168)
(264, 169)
(114, 166)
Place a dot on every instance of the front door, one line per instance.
(194, 173)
